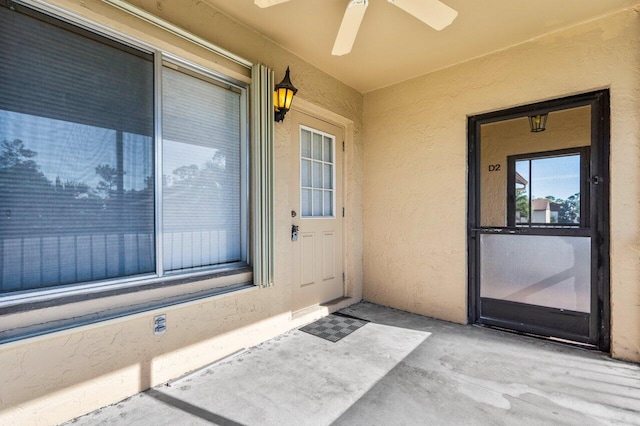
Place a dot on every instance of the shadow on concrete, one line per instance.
(194, 410)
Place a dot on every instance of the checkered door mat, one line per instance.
(334, 327)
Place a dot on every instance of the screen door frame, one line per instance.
(599, 320)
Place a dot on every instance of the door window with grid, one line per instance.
(317, 173)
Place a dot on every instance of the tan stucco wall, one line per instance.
(55, 377)
(415, 164)
(565, 129)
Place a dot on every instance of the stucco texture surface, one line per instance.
(55, 377)
(415, 164)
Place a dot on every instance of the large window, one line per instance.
(83, 145)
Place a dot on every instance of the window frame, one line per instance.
(584, 153)
(160, 288)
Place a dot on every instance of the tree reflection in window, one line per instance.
(68, 212)
(547, 189)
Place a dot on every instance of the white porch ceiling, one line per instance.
(393, 46)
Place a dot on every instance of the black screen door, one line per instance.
(537, 220)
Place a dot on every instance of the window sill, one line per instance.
(31, 317)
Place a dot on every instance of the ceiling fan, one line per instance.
(432, 12)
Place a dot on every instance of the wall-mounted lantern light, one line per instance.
(538, 123)
(283, 95)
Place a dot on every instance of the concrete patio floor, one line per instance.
(399, 369)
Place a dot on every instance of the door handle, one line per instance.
(294, 232)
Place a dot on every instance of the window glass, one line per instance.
(201, 172)
(547, 190)
(316, 174)
(76, 157)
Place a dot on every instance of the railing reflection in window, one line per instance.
(38, 262)
(193, 249)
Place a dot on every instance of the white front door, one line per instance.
(316, 209)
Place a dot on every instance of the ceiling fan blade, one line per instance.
(432, 12)
(268, 3)
(349, 27)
